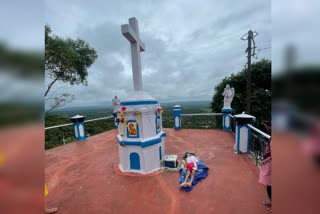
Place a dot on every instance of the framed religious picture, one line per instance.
(158, 124)
(132, 129)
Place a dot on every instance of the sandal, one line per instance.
(266, 203)
(51, 210)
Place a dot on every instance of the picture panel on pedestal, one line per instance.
(132, 129)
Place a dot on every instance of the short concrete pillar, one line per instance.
(116, 104)
(177, 117)
(78, 125)
(242, 132)
(282, 115)
(226, 119)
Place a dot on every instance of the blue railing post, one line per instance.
(226, 120)
(79, 129)
(177, 117)
(242, 132)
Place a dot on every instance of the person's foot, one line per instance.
(267, 203)
(189, 184)
(183, 184)
(51, 210)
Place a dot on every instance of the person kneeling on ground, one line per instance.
(191, 160)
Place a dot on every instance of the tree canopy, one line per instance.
(23, 63)
(67, 60)
(299, 86)
(260, 91)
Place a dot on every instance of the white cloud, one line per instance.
(190, 45)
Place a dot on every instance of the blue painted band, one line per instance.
(143, 144)
(238, 138)
(139, 143)
(226, 110)
(134, 103)
(163, 134)
(248, 140)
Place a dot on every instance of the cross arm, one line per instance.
(129, 33)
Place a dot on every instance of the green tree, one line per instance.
(299, 86)
(260, 94)
(66, 60)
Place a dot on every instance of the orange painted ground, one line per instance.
(82, 178)
(22, 169)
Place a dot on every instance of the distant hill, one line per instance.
(109, 106)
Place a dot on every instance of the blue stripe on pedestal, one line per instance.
(142, 144)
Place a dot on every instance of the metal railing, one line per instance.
(192, 121)
(259, 140)
(64, 133)
(69, 124)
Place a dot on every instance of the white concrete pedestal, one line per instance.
(141, 150)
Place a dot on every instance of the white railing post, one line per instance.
(242, 132)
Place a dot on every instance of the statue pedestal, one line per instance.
(226, 119)
(141, 140)
(177, 117)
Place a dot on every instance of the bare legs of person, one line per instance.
(191, 179)
(183, 184)
(186, 183)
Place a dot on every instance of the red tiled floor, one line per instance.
(82, 178)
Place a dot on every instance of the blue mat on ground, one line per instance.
(202, 173)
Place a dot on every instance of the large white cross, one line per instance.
(131, 32)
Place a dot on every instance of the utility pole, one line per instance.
(250, 35)
(290, 58)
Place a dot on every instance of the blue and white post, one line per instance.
(116, 104)
(242, 132)
(226, 119)
(78, 125)
(177, 117)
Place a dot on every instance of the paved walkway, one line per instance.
(83, 178)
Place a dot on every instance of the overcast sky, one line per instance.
(190, 45)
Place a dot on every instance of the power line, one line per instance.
(259, 49)
(263, 48)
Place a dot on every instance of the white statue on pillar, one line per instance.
(116, 103)
(228, 94)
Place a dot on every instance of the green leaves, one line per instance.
(67, 60)
(260, 94)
